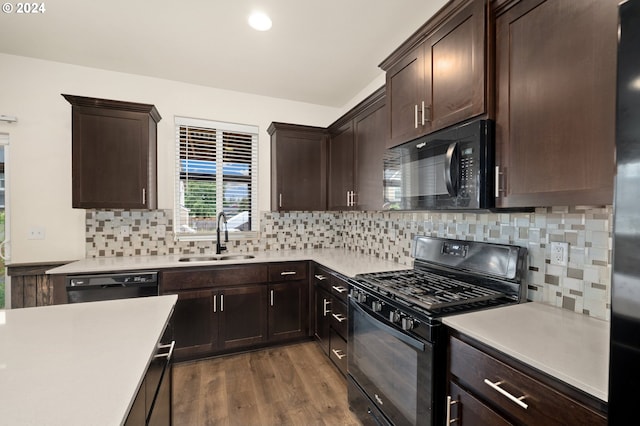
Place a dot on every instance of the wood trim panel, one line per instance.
(31, 286)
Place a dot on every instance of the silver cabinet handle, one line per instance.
(271, 297)
(169, 354)
(222, 303)
(339, 289)
(497, 178)
(449, 404)
(496, 386)
(280, 200)
(426, 118)
(416, 116)
(144, 196)
(320, 277)
(288, 273)
(325, 304)
(215, 303)
(339, 317)
(337, 353)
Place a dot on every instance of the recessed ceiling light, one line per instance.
(260, 21)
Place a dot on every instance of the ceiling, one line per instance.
(322, 52)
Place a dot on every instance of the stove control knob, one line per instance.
(361, 297)
(394, 316)
(376, 305)
(407, 323)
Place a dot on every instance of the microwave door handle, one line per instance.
(451, 169)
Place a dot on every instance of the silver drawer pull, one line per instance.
(320, 277)
(450, 402)
(288, 273)
(169, 354)
(339, 317)
(339, 289)
(325, 307)
(337, 352)
(518, 400)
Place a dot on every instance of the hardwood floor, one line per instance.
(286, 385)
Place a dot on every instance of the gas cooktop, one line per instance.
(429, 290)
(449, 275)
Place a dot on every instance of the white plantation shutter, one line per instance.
(216, 170)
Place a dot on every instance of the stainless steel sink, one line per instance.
(236, 257)
(197, 259)
(214, 258)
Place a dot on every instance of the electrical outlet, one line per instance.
(36, 233)
(559, 253)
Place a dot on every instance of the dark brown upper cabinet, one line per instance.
(438, 76)
(113, 154)
(298, 167)
(356, 150)
(555, 102)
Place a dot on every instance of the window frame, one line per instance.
(219, 126)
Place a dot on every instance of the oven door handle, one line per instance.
(414, 343)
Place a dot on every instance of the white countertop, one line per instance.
(78, 364)
(571, 347)
(345, 262)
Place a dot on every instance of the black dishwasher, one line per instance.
(125, 285)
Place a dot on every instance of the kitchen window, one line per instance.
(216, 171)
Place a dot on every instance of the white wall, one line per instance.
(40, 142)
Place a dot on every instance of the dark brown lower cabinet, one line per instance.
(288, 317)
(241, 316)
(331, 315)
(237, 307)
(194, 323)
(322, 300)
(488, 387)
(152, 404)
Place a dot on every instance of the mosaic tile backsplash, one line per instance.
(582, 286)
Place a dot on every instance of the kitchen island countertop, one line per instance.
(78, 364)
(345, 262)
(571, 347)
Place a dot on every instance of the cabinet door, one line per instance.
(341, 172)
(242, 316)
(113, 153)
(455, 68)
(194, 324)
(405, 95)
(370, 146)
(298, 168)
(288, 317)
(322, 317)
(555, 106)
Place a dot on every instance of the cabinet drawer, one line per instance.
(322, 278)
(339, 317)
(339, 288)
(466, 410)
(212, 277)
(490, 380)
(338, 352)
(287, 271)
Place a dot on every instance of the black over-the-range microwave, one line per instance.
(452, 169)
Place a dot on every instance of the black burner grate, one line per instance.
(429, 290)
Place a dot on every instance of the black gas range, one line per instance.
(396, 341)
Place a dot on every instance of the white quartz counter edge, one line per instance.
(78, 364)
(571, 347)
(345, 262)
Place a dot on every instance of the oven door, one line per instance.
(393, 368)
